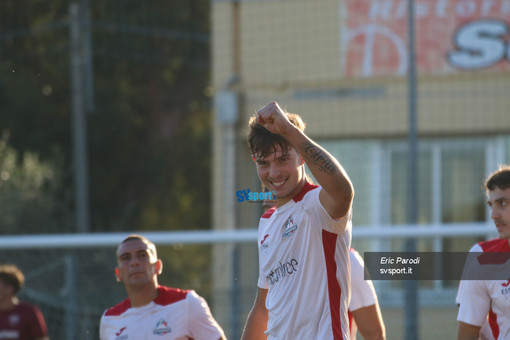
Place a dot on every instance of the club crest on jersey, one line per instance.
(162, 328)
(289, 228)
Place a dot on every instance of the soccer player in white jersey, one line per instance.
(153, 311)
(364, 312)
(304, 272)
(486, 302)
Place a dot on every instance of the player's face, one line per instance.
(6, 292)
(282, 172)
(499, 201)
(136, 263)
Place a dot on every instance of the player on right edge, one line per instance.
(487, 301)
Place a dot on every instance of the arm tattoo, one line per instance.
(315, 155)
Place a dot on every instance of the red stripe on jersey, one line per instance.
(493, 322)
(269, 212)
(349, 314)
(334, 289)
(493, 258)
(119, 309)
(166, 296)
(496, 251)
(495, 245)
(298, 197)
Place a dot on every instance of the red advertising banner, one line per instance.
(450, 36)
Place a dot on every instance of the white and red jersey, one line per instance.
(486, 301)
(362, 291)
(304, 264)
(175, 314)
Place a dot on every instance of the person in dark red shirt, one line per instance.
(18, 320)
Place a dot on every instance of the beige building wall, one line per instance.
(290, 51)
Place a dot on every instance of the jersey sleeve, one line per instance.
(362, 291)
(317, 212)
(102, 328)
(461, 290)
(201, 323)
(262, 282)
(474, 302)
(38, 328)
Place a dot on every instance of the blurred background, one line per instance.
(119, 117)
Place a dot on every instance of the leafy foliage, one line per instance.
(148, 133)
(28, 189)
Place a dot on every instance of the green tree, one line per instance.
(28, 202)
(148, 134)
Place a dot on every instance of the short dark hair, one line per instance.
(136, 237)
(262, 143)
(12, 276)
(499, 179)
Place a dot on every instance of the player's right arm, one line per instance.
(256, 324)
(468, 332)
(337, 191)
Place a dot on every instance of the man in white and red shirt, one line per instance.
(304, 241)
(485, 303)
(152, 311)
(364, 312)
